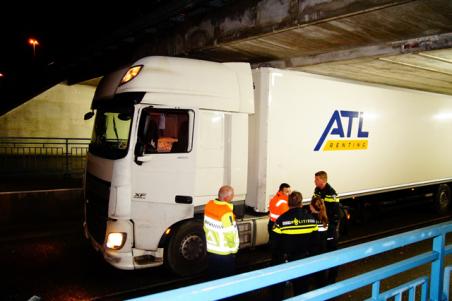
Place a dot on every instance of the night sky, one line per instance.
(64, 31)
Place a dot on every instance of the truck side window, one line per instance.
(164, 131)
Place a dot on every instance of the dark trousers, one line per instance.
(220, 265)
(276, 256)
(331, 245)
(270, 231)
(320, 278)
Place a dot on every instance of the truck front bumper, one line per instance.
(129, 260)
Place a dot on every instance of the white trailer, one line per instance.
(170, 131)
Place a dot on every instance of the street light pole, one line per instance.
(33, 42)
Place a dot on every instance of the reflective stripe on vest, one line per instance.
(329, 198)
(273, 216)
(322, 228)
(222, 235)
(304, 229)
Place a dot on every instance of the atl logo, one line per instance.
(335, 127)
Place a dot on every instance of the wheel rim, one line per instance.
(192, 247)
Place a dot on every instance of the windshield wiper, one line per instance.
(115, 129)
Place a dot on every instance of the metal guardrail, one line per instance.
(43, 146)
(437, 283)
(42, 155)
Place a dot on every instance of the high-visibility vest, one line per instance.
(222, 235)
(278, 205)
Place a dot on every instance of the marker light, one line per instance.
(131, 74)
(116, 241)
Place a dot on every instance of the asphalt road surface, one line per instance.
(56, 263)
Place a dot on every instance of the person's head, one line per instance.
(295, 199)
(226, 193)
(284, 188)
(321, 178)
(318, 206)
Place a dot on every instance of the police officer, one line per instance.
(222, 236)
(294, 231)
(327, 193)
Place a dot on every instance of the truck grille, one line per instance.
(97, 193)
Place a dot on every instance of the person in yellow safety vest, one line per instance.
(327, 193)
(222, 236)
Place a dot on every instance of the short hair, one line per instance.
(322, 174)
(295, 199)
(225, 191)
(283, 185)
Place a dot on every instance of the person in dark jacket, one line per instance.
(294, 231)
(327, 193)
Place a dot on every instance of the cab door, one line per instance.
(163, 174)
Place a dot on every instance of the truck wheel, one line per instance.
(441, 201)
(186, 254)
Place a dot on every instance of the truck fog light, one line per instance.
(116, 241)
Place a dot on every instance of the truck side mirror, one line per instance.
(88, 115)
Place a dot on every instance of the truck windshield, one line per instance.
(111, 133)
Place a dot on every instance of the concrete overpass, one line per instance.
(403, 43)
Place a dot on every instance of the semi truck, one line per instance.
(170, 131)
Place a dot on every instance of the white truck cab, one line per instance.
(164, 141)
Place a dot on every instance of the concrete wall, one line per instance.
(58, 112)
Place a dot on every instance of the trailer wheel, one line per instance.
(186, 254)
(441, 201)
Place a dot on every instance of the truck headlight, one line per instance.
(116, 240)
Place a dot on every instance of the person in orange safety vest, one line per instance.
(278, 205)
(222, 236)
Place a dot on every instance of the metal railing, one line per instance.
(42, 155)
(437, 282)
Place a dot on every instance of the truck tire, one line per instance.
(186, 254)
(441, 202)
